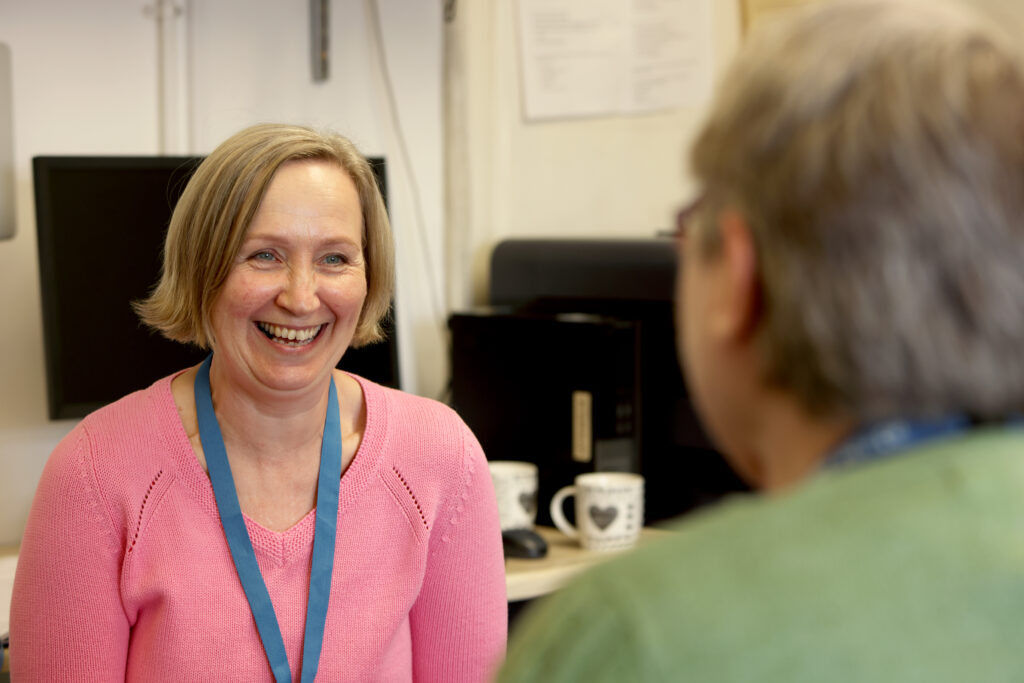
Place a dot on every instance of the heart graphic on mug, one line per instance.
(528, 499)
(603, 517)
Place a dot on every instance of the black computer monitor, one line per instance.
(101, 223)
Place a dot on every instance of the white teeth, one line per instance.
(292, 336)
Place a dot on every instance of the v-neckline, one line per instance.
(296, 540)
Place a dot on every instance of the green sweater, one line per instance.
(910, 568)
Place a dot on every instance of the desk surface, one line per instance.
(525, 579)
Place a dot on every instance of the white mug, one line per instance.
(609, 510)
(515, 486)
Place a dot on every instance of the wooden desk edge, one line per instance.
(527, 579)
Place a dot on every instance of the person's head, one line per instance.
(863, 170)
(213, 216)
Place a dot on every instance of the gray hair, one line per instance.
(876, 149)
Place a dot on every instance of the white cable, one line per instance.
(396, 124)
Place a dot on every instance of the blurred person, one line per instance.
(850, 308)
(265, 516)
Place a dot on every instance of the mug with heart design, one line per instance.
(515, 486)
(609, 510)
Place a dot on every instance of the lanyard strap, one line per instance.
(328, 485)
(886, 438)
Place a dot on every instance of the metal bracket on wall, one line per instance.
(319, 13)
(172, 73)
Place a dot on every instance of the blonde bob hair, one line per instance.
(876, 149)
(213, 215)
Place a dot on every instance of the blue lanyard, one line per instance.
(886, 438)
(328, 486)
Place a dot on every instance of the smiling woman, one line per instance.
(292, 299)
(265, 516)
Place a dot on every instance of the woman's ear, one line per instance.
(741, 300)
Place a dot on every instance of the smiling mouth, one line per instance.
(290, 336)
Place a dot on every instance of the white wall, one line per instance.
(65, 101)
(86, 82)
(605, 176)
(602, 176)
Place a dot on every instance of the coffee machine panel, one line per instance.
(557, 390)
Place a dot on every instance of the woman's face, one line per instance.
(290, 304)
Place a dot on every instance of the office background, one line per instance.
(440, 99)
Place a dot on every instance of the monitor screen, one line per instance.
(101, 223)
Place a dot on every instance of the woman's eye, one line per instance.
(263, 256)
(334, 260)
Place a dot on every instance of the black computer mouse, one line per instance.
(523, 543)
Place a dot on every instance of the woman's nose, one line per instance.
(299, 294)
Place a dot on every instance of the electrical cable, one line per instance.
(403, 148)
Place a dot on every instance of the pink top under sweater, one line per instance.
(125, 574)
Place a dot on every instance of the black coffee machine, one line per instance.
(573, 367)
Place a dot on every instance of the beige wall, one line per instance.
(84, 82)
(605, 176)
(64, 102)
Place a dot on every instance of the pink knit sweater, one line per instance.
(125, 574)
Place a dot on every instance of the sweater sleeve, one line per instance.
(67, 619)
(460, 619)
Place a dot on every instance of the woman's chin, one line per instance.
(295, 379)
(289, 377)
